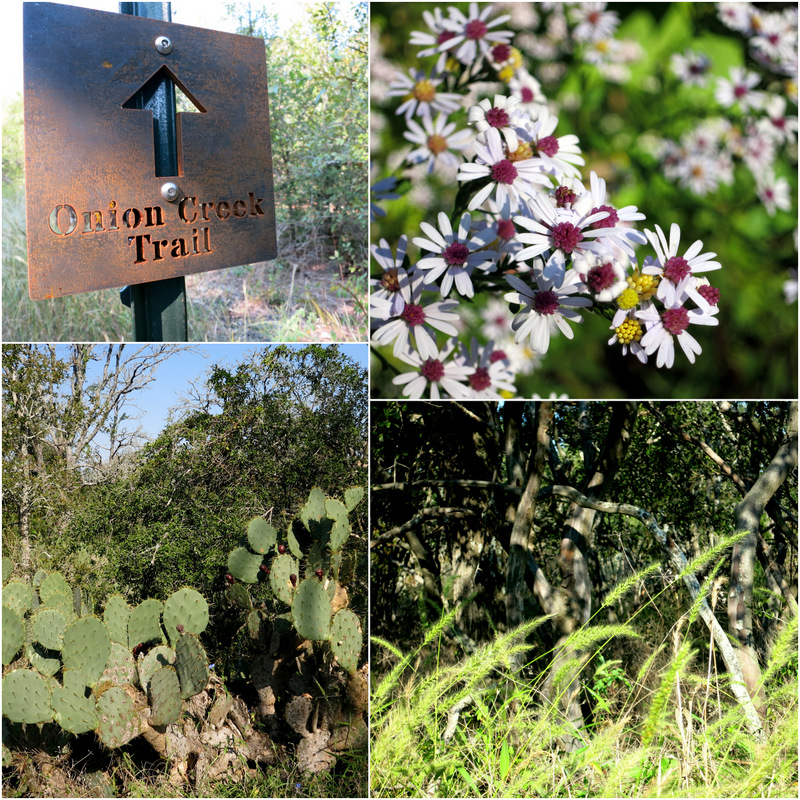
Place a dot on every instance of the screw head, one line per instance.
(170, 191)
(163, 45)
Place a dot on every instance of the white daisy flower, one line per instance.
(421, 321)
(436, 373)
(455, 255)
(474, 35)
(691, 68)
(562, 231)
(739, 89)
(388, 289)
(594, 22)
(774, 193)
(672, 269)
(492, 372)
(421, 95)
(502, 116)
(509, 180)
(671, 324)
(558, 155)
(435, 140)
(546, 307)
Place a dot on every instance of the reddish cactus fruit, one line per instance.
(319, 573)
(293, 579)
(281, 548)
(264, 568)
(229, 578)
(179, 627)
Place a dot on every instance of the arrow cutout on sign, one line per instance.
(157, 95)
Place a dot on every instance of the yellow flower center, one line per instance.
(506, 74)
(521, 153)
(644, 285)
(628, 299)
(424, 91)
(629, 331)
(515, 60)
(437, 144)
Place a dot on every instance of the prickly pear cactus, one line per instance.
(26, 697)
(185, 611)
(303, 572)
(85, 671)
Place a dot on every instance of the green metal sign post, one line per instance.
(159, 307)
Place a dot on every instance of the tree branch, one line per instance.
(679, 561)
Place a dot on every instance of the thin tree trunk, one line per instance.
(740, 591)
(679, 562)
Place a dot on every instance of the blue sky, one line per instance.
(175, 374)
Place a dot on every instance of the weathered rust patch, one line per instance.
(96, 217)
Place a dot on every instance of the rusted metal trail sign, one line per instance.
(106, 205)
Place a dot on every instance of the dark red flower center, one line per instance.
(445, 36)
(497, 117)
(413, 315)
(433, 370)
(709, 293)
(599, 278)
(504, 172)
(675, 320)
(506, 229)
(548, 145)
(480, 380)
(565, 196)
(740, 91)
(476, 29)
(501, 53)
(527, 95)
(609, 222)
(545, 302)
(455, 254)
(676, 269)
(566, 236)
(497, 355)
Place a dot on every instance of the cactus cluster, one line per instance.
(303, 572)
(113, 675)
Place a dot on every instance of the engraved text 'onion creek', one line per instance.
(64, 221)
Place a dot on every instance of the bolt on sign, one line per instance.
(104, 207)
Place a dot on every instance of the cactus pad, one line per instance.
(192, 665)
(314, 509)
(240, 596)
(45, 661)
(346, 639)
(120, 668)
(63, 603)
(13, 634)
(353, 496)
(116, 618)
(118, 721)
(244, 565)
(8, 568)
(311, 610)
(187, 608)
(18, 595)
(282, 567)
(87, 647)
(48, 628)
(261, 535)
(144, 625)
(26, 697)
(74, 712)
(54, 583)
(161, 656)
(165, 697)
